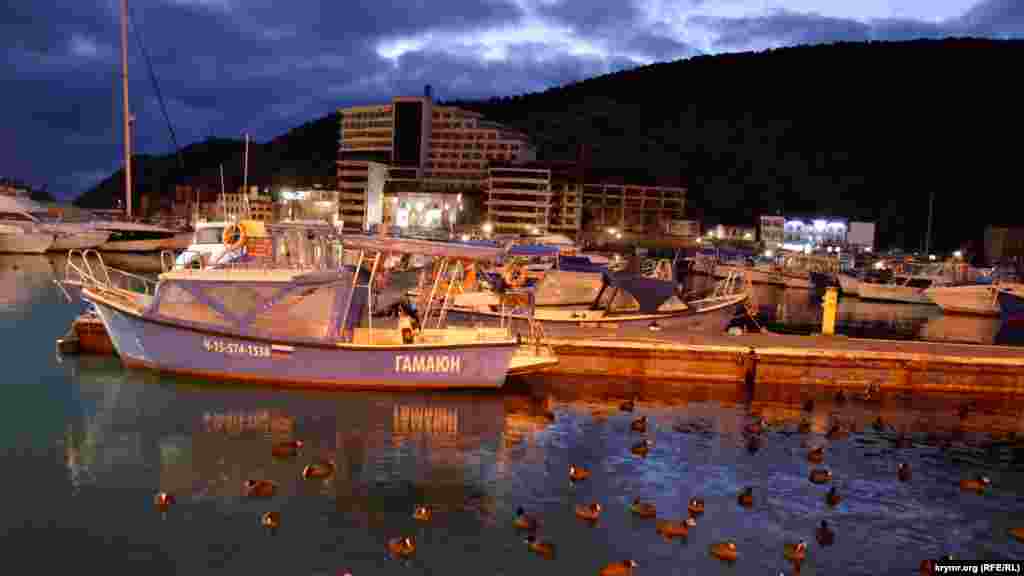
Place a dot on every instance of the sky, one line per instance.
(228, 67)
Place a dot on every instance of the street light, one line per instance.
(488, 227)
(612, 231)
(465, 237)
(958, 254)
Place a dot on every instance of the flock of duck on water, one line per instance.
(404, 547)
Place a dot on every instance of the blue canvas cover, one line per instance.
(650, 293)
(579, 264)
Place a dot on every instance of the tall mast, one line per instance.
(127, 116)
(928, 234)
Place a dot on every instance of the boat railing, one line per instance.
(166, 260)
(79, 271)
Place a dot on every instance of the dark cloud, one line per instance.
(995, 18)
(782, 28)
(589, 16)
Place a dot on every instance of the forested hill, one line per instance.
(864, 130)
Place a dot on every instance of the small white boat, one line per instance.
(67, 235)
(902, 289)
(135, 237)
(206, 247)
(975, 299)
(22, 239)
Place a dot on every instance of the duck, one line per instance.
(1017, 533)
(643, 509)
(624, 568)
(628, 405)
(589, 512)
(321, 469)
(816, 455)
(753, 444)
(286, 449)
(809, 405)
(903, 472)
(674, 529)
(542, 548)
(525, 521)
(756, 427)
(975, 484)
(833, 498)
(805, 426)
(259, 488)
(746, 498)
(695, 506)
(642, 447)
(639, 425)
(422, 514)
(577, 473)
(725, 551)
(795, 552)
(404, 547)
(820, 476)
(163, 501)
(825, 535)
(271, 520)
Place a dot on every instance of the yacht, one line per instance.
(902, 289)
(68, 234)
(135, 237)
(979, 299)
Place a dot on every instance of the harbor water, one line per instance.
(88, 444)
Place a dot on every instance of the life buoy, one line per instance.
(513, 275)
(230, 232)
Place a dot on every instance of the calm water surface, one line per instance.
(87, 444)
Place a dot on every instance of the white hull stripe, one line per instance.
(282, 349)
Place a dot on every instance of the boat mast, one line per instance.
(928, 234)
(245, 179)
(127, 116)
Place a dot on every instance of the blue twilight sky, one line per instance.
(261, 66)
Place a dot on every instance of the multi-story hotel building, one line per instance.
(420, 147)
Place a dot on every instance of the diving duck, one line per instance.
(820, 476)
(271, 521)
(259, 488)
(642, 447)
(403, 547)
(756, 427)
(725, 551)
(163, 501)
(588, 512)
(1017, 533)
(543, 549)
(422, 514)
(639, 425)
(903, 472)
(805, 426)
(746, 498)
(975, 484)
(825, 535)
(695, 506)
(674, 529)
(577, 474)
(643, 509)
(833, 498)
(286, 449)
(624, 568)
(816, 455)
(628, 405)
(753, 444)
(321, 469)
(525, 521)
(795, 552)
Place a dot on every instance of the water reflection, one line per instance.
(24, 278)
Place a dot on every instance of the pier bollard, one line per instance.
(829, 306)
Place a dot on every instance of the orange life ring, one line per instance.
(230, 232)
(513, 275)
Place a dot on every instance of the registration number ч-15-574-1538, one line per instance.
(236, 348)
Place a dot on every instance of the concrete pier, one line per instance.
(826, 361)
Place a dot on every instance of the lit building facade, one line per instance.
(773, 232)
(436, 150)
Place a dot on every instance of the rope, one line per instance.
(156, 86)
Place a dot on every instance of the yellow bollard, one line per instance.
(828, 317)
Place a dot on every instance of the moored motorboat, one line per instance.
(975, 299)
(136, 237)
(295, 317)
(21, 239)
(1011, 305)
(902, 290)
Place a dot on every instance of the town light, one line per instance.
(748, 236)
(419, 206)
(958, 254)
(768, 253)
(488, 227)
(465, 237)
(931, 257)
(618, 235)
(819, 225)
(867, 249)
(612, 231)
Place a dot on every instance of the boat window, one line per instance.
(301, 315)
(919, 283)
(209, 235)
(240, 299)
(179, 304)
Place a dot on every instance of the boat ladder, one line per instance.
(80, 272)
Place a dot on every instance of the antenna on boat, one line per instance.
(245, 179)
(127, 116)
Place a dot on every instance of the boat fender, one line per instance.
(229, 234)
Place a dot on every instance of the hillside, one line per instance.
(863, 130)
(302, 157)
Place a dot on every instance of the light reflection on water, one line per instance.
(115, 437)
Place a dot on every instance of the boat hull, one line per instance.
(714, 321)
(890, 293)
(25, 242)
(154, 245)
(176, 349)
(79, 240)
(973, 300)
(1011, 307)
(849, 285)
(770, 277)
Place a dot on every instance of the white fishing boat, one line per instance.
(974, 299)
(849, 284)
(902, 289)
